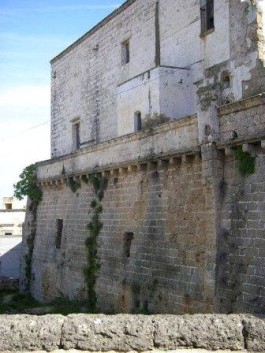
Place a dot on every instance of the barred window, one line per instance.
(207, 15)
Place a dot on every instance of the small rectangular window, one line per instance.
(8, 206)
(76, 135)
(125, 48)
(128, 238)
(59, 233)
(207, 15)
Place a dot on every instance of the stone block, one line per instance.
(254, 333)
(106, 333)
(198, 331)
(25, 332)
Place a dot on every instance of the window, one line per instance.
(59, 233)
(207, 15)
(128, 238)
(8, 206)
(76, 135)
(137, 121)
(125, 52)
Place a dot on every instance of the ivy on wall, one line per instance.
(246, 163)
(28, 186)
(93, 227)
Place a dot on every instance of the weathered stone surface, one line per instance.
(25, 332)
(199, 331)
(254, 333)
(105, 333)
(126, 333)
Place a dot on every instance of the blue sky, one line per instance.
(32, 32)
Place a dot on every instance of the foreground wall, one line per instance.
(183, 229)
(128, 333)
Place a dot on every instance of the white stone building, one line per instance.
(12, 216)
(162, 98)
(167, 57)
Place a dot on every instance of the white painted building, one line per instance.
(12, 216)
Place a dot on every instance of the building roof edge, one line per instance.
(94, 29)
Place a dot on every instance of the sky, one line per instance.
(32, 32)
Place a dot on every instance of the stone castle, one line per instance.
(164, 100)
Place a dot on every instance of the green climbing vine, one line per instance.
(28, 186)
(246, 163)
(74, 184)
(94, 227)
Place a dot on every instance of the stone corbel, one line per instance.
(229, 151)
(142, 167)
(163, 163)
(114, 172)
(132, 168)
(123, 170)
(249, 148)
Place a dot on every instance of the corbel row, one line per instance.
(251, 148)
(165, 163)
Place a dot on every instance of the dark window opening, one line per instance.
(8, 206)
(137, 121)
(225, 77)
(207, 15)
(76, 135)
(128, 238)
(59, 233)
(125, 52)
(8, 233)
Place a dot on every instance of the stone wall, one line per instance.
(132, 333)
(241, 244)
(162, 203)
(183, 229)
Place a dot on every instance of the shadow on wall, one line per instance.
(10, 259)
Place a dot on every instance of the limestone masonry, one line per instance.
(132, 333)
(164, 100)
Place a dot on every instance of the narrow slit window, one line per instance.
(137, 121)
(207, 15)
(128, 238)
(59, 233)
(76, 135)
(125, 52)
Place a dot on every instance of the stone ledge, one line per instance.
(126, 333)
(173, 138)
(243, 104)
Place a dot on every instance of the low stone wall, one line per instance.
(132, 333)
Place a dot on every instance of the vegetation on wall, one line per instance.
(74, 184)
(27, 186)
(246, 163)
(151, 121)
(94, 227)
